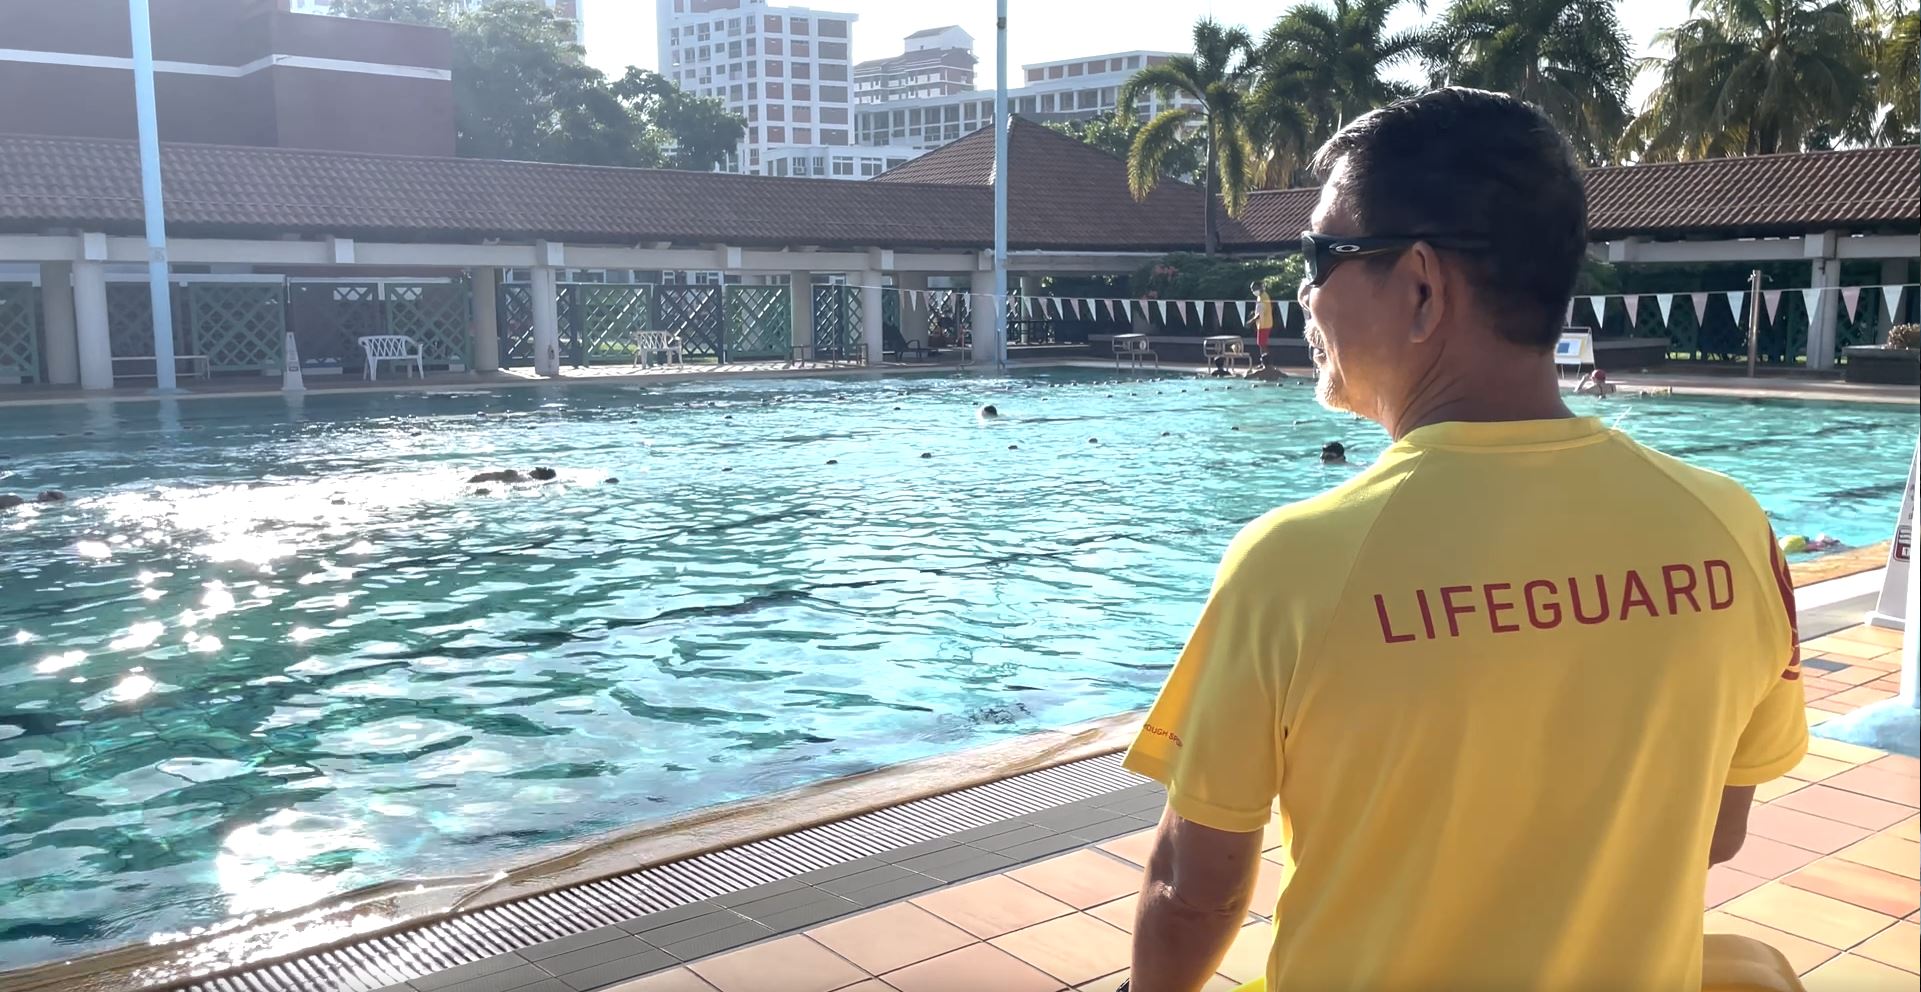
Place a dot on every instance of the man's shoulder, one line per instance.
(1719, 494)
(1334, 522)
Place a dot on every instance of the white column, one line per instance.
(1826, 276)
(800, 310)
(486, 323)
(1894, 272)
(872, 328)
(546, 321)
(92, 346)
(56, 314)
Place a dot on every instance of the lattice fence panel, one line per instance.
(759, 322)
(130, 320)
(837, 323)
(436, 315)
(239, 326)
(516, 319)
(694, 311)
(329, 318)
(890, 314)
(608, 318)
(20, 332)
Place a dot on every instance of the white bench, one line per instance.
(666, 344)
(196, 367)
(392, 348)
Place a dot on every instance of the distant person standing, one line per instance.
(1263, 319)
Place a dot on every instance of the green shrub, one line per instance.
(1905, 336)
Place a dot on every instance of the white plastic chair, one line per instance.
(647, 344)
(392, 348)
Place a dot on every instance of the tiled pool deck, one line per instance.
(1042, 904)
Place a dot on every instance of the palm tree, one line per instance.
(1334, 57)
(1216, 78)
(1568, 57)
(1896, 40)
(1755, 77)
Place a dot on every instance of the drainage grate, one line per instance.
(464, 939)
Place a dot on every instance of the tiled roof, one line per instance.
(1065, 196)
(1060, 184)
(1758, 195)
(216, 189)
(1751, 196)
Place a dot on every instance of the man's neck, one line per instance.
(1489, 389)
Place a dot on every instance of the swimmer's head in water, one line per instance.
(1333, 451)
(989, 411)
(543, 474)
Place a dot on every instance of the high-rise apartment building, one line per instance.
(932, 62)
(573, 10)
(787, 70)
(1070, 89)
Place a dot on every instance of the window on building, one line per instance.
(1133, 61)
(800, 70)
(913, 117)
(1108, 96)
(895, 163)
(733, 49)
(834, 50)
(803, 114)
(1047, 103)
(1034, 75)
(803, 91)
(950, 113)
(673, 36)
(776, 111)
(1077, 68)
(775, 46)
(778, 167)
(833, 94)
(843, 166)
(833, 136)
(800, 49)
(797, 25)
(833, 115)
(752, 27)
(753, 69)
(776, 91)
(775, 69)
(952, 133)
(830, 28)
(836, 71)
(772, 22)
(753, 154)
(869, 168)
(751, 45)
(1056, 72)
(803, 136)
(1088, 99)
(753, 133)
(703, 54)
(734, 93)
(820, 165)
(733, 27)
(776, 135)
(753, 111)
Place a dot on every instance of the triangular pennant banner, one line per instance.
(1599, 304)
(1849, 297)
(1220, 311)
(1700, 301)
(1568, 320)
(1770, 302)
(1633, 302)
(1286, 308)
(1127, 310)
(1810, 298)
(1892, 294)
(1240, 306)
(1735, 298)
(1107, 306)
(1162, 304)
(1664, 301)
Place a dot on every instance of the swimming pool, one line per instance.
(273, 650)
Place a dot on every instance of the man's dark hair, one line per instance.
(1470, 163)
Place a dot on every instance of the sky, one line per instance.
(621, 32)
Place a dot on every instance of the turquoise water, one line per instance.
(271, 652)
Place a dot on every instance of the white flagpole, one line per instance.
(150, 194)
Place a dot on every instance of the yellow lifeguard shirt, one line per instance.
(1263, 312)
(1497, 683)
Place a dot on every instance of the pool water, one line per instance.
(276, 649)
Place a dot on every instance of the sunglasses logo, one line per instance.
(1347, 249)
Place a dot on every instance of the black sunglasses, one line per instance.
(1324, 251)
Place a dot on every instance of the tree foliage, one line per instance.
(1757, 77)
(1115, 135)
(523, 90)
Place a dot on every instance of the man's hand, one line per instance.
(1193, 900)
(1731, 823)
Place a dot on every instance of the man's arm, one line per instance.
(1731, 824)
(1193, 900)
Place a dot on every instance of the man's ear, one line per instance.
(1427, 285)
